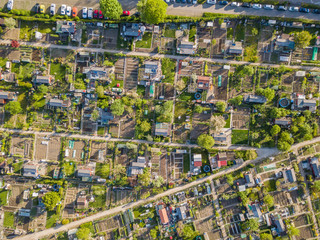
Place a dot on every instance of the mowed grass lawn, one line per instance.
(146, 41)
(58, 70)
(8, 220)
(239, 137)
(3, 198)
(270, 185)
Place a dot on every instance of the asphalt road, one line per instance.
(182, 9)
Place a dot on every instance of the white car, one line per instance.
(68, 12)
(256, 6)
(63, 9)
(269, 7)
(84, 12)
(52, 9)
(293, 9)
(90, 13)
(212, 2)
(235, 4)
(10, 5)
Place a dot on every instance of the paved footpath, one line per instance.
(153, 55)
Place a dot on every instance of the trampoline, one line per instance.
(206, 168)
(284, 102)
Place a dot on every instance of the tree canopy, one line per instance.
(198, 109)
(217, 122)
(152, 11)
(275, 130)
(302, 39)
(292, 231)
(144, 178)
(267, 92)
(189, 232)
(10, 23)
(111, 8)
(205, 141)
(117, 107)
(251, 225)
(165, 111)
(268, 200)
(221, 106)
(13, 107)
(236, 100)
(50, 200)
(266, 236)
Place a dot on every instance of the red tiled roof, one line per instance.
(163, 216)
(222, 163)
(197, 164)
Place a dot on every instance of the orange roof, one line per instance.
(203, 78)
(163, 216)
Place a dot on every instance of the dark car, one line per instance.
(189, 1)
(223, 2)
(183, 1)
(304, 10)
(316, 11)
(246, 5)
(178, 1)
(37, 8)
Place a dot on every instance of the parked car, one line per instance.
(178, 1)
(52, 9)
(10, 5)
(189, 1)
(256, 6)
(37, 8)
(90, 13)
(99, 24)
(293, 9)
(212, 2)
(95, 13)
(223, 2)
(68, 12)
(235, 4)
(84, 12)
(42, 9)
(167, 1)
(126, 13)
(74, 12)
(63, 9)
(194, 1)
(282, 8)
(304, 10)
(100, 14)
(183, 1)
(268, 7)
(246, 5)
(316, 11)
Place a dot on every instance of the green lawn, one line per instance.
(114, 83)
(8, 220)
(185, 96)
(229, 33)
(52, 218)
(186, 163)
(103, 170)
(101, 131)
(239, 137)
(99, 193)
(270, 185)
(170, 33)
(68, 168)
(240, 32)
(192, 33)
(168, 68)
(27, 29)
(181, 111)
(145, 42)
(58, 70)
(141, 90)
(3, 197)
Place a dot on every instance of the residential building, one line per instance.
(203, 83)
(94, 73)
(104, 117)
(66, 27)
(163, 216)
(235, 48)
(82, 202)
(222, 163)
(301, 103)
(197, 160)
(133, 31)
(150, 72)
(162, 129)
(289, 175)
(46, 80)
(283, 122)
(249, 180)
(24, 212)
(86, 172)
(222, 156)
(279, 224)
(31, 170)
(136, 168)
(254, 211)
(285, 42)
(250, 98)
(58, 103)
(185, 47)
(223, 137)
(6, 97)
(315, 168)
(181, 211)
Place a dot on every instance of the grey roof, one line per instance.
(254, 99)
(182, 212)
(290, 175)
(42, 79)
(30, 170)
(282, 121)
(86, 172)
(162, 129)
(7, 95)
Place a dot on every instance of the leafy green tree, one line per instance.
(198, 109)
(251, 225)
(221, 106)
(316, 186)
(267, 92)
(103, 103)
(277, 112)
(50, 200)
(145, 126)
(189, 232)
(268, 200)
(266, 236)
(43, 89)
(13, 107)
(152, 11)
(248, 70)
(275, 130)
(83, 233)
(94, 115)
(254, 31)
(158, 182)
(153, 233)
(244, 198)
(144, 178)
(117, 107)
(302, 39)
(111, 8)
(251, 154)
(230, 179)
(100, 91)
(293, 231)
(165, 112)
(205, 141)
(10, 23)
(283, 146)
(118, 171)
(216, 123)
(236, 100)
